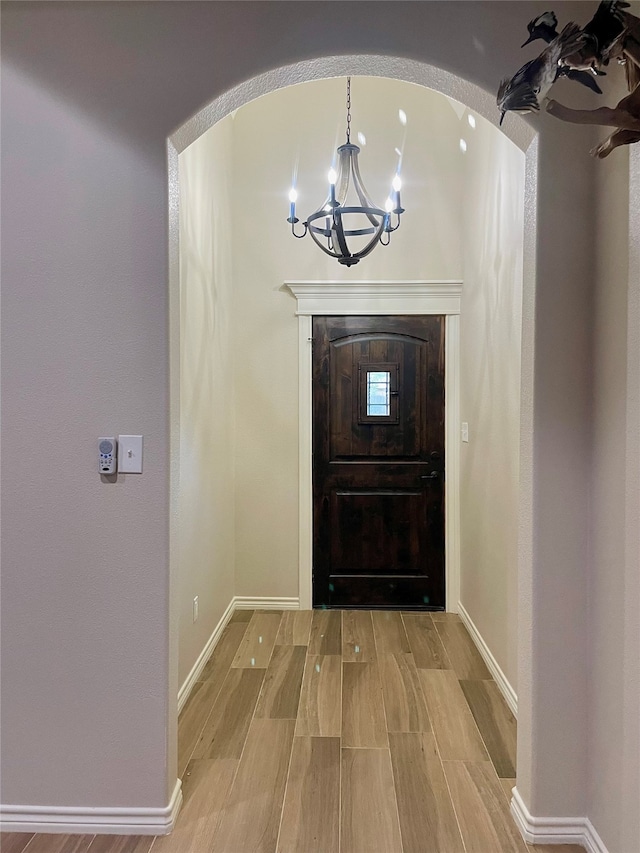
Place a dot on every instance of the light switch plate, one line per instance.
(465, 432)
(130, 454)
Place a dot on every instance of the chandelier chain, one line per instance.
(348, 109)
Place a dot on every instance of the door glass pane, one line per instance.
(378, 393)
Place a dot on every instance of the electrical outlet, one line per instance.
(196, 603)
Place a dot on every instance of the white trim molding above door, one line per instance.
(366, 298)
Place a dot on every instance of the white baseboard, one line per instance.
(238, 602)
(555, 830)
(592, 840)
(203, 657)
(499, 677)
(244, 602)
(93, 821)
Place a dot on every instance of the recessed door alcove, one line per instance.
(259, 315)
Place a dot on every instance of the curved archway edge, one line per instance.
(524, 137)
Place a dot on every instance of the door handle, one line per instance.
(430, 476)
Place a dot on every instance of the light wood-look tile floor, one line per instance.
(337, 732)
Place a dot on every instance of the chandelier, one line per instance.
(337, 225)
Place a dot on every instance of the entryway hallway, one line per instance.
(337, 732)
(328, 730)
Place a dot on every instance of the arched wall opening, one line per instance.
(482, 105)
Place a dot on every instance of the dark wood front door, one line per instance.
(378, 462)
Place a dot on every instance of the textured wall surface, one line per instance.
(613, 587)
(607, 585)
(85, 563)
(206, 562)
(90, 92)
(490, 335)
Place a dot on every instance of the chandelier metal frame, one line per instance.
(334, 230)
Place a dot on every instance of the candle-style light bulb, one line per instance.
(396, 185)
(332, 186)
(293, 196)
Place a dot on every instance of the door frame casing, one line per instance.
(369, 298)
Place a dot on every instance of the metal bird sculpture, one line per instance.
(612, 33)
(545, 27)
(629, 54)
(530, 85)
(598, 38)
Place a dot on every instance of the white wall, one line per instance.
(207, 411)
(492, 215)
(613, 591)
(271, 136)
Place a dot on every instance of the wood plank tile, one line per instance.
(295, 628)
(14, 842)
(496, 723)
(465, 658)
(441, 616)
(507, 786)
(310, 817)
(206, 787)
(280, 692)
(121, 844)
(455, 729)
(427, 818)
(44, 842)
(363, 720)
(390, 635)
(251, 816)
(192, 719)
(358, 642)
(320, 707)
(326, 633)
(555, 848)
(226, 729)
(258, 641)
(222, 656)
(481, 808)
(369, 820)
(241, 615)
(404, 704)
(424, 640)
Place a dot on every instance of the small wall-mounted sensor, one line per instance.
(107, 455)
(130, 455)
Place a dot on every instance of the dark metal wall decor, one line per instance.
(581, 54)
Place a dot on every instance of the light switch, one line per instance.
(465, 432)
(130, 454)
